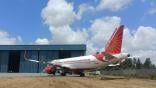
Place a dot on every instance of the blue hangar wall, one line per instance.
(12, 56)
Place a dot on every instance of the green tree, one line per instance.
(147, 63)
(153, 66)
(138, 64)
(127, 64)
(134, 63)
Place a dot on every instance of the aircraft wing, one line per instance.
(35, 61)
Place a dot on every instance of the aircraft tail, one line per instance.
(114, 44)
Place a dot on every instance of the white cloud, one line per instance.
(140, 43)
(102, 28)
(145, 38)
(127, 40)
(41, 41)
(91, 49)
(58, 13)
(66, 35)
(84, 8)
(113, 5)
(152, 10)
(6, 39)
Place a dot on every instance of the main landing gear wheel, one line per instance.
(63, 74)
(82, 74)
(53, 73)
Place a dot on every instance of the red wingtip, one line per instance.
(114, 44)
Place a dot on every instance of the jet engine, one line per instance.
(49, 69)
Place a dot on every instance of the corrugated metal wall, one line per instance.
(30, 67)
(46, 56)
(76, 53)
(26, 66)
(4, 56)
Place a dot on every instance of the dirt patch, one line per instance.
(73, 82)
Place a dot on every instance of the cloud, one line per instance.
(112, 5)
(42, 41)
(101, 30)
(140, 43)
(58, 13)
(66, 35)
(152, 10)
(145, 38)
(84, 8)
(6, 39)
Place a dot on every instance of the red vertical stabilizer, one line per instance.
(115, 42)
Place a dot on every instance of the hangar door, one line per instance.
(14, 61)
(64, 54)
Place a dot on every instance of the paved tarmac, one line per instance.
(21, 74)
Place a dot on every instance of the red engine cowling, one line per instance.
(48, 69)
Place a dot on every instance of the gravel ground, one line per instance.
(29, 81)
(21, 74)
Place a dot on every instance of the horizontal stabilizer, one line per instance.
(113, 65)
(108, 56)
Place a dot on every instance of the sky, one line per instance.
(89, 22)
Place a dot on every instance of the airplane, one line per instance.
(112, 56)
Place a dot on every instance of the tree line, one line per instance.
(134, 63)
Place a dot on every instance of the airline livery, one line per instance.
(111, 56)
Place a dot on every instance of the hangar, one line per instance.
(12, 56)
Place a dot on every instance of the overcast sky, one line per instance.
(88, 22)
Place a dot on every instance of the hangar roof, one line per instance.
(44, 47)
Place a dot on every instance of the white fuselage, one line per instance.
(82, 62)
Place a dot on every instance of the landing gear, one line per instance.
(63, 74)
(53, 73)
(54, 70)
(82, 74)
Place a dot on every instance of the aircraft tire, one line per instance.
(63, 74)
(82, 75)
